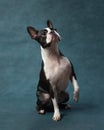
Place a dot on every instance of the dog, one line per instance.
(56, 71)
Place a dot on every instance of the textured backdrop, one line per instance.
(81, 26)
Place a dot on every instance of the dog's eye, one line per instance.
(44, 32)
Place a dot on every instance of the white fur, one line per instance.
(48, 29)
(49, 35)
(57, 34)
(76, 89)
(41, 111)
(57, 115)
(57, 69)
(49, 38)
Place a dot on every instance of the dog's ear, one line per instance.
(32, 32)
(49, 24)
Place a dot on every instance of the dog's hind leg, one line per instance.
(42, 102)
(63, 97)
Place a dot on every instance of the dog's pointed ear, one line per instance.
(32, 32)
(49, 24)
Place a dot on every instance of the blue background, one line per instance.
(81, 26)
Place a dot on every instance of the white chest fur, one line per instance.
(57, 69)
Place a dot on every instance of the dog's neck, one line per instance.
(50, 53)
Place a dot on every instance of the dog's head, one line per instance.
(46, 36)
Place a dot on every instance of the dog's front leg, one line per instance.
(57, 115)
(76, 89)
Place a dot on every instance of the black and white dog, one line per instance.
(56, 71)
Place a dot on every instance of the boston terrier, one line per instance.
(55, 73)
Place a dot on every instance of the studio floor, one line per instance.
(81, 26)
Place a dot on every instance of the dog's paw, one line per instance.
(56, 116)
(76, 96)
(42, 111)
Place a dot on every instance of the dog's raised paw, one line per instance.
(76, 96)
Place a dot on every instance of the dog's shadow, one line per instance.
(88, 108)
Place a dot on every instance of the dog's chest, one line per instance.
(57, 71)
